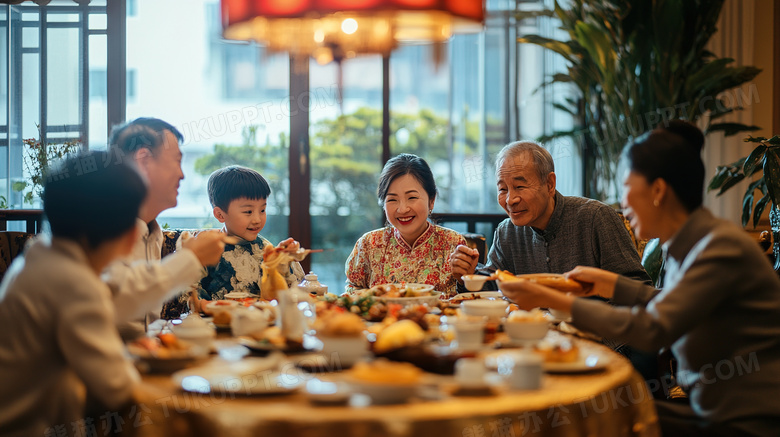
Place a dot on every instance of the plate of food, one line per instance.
(566, 356)
(386, 382)
(239, 295)
(405, 293)
(489, 295)
(553, 280)
(258, 376)
(271, 339)
(164, 353)
(559, 355)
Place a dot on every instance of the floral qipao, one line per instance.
(239, 270)
(383, 256)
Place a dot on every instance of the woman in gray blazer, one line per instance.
(719, 309)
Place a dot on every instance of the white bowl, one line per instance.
(196, 331)
(474, 282)
(526, 330)
(384, 393)
(492, 309)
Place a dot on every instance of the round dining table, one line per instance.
(611, 401)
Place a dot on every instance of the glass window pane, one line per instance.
(98, 92)
(62, 79)
(97, 21)
(180, 74)
(346, 158)
(30, 37)
(54, 17)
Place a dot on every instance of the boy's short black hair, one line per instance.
(143, 132)
(93, 197)
(233, 182)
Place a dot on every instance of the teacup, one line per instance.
(469, 331)
(526, 372)
(196, 331)
(470, 372)
(474, 282)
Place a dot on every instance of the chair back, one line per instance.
(11, 244)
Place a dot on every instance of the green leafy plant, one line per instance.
(38, 155)
(764, 160)
(635, 64)
(347, 152)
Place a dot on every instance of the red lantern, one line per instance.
(338, 29)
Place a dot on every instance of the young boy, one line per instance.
(56, 316)
(238, 196)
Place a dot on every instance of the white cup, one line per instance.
(526, 372)
(469, 334)
(470, 372)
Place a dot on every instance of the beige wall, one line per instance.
(746, 33)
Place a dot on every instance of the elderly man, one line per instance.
(547, 232)
(141, 282)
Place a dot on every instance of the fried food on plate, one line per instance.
(552, 280)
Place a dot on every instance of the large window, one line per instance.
(232, 103)
(52, 75)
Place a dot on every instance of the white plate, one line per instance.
(490, 295)
(419, 300)
(384, 393)
(171, 361)
(247, 378)
(239, 295)
(587, 363)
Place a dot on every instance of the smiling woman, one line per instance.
(410, 248)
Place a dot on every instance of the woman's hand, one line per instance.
(602, 283)
(528, 295)
(463, 261)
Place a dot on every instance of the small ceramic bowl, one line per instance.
(474, 282)
(492, 309)
(526, 331)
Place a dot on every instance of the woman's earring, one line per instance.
(656, 203)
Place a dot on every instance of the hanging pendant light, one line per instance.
(331, 30)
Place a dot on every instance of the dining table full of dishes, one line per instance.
(393, 360)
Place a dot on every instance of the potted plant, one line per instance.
(38, 155)
(636, 64)
(764, 160)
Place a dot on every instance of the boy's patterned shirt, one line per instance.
(383, 256)
(239, 270)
